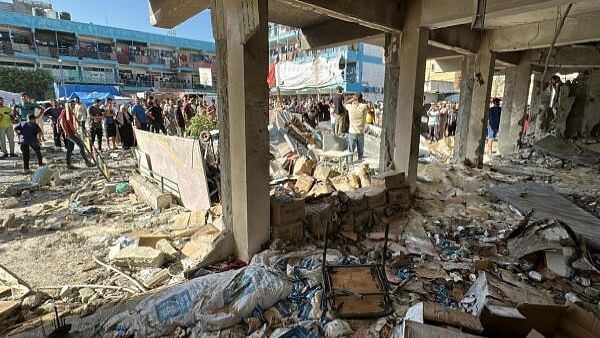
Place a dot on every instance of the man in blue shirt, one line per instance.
(139, 114)
(28, 138)
(493, 124)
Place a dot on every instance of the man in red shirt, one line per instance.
(68, 123)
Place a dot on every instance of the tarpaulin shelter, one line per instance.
(67, 89)
(9, 96)
(88, 98)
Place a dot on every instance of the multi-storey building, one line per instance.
(32, 35)
(360, 64)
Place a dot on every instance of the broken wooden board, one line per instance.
(350, 282)
(412, 329)
(559, 148)
(547, 204)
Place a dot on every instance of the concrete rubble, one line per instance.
(459, 259)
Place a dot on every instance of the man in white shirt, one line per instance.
(81, 113)
(357, 112)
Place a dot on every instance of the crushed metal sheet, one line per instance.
(547, 204)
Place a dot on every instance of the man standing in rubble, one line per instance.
(54, 111)
(81, 113)
(357, 111)
(340, 120)
(6, 130)
(493, 124)
(68, 124)
(96, 114)
(139, 114)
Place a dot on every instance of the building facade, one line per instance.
(88, 54)
(360, 64)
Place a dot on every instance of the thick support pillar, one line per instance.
(467, 81)
(510, 80)
(480, 103)
(240, 29)
(413, 54)
(534, 111)
(390, 100)
(511, 124)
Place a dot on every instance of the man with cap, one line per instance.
(6, 131)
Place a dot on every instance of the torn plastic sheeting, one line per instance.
(211, 303)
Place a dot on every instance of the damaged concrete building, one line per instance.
(480, 38)
(505, 248)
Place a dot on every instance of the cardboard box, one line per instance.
(376, 197)
(549, 321)
(286, 210)
(399, 197)
(288, 232)
(317, 216)
(362, 219)
(389, 180)
(304, 183)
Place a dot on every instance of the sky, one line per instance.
(133, 15)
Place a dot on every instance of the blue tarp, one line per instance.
(90, 98)
(68, 89)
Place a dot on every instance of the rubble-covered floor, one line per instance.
(455, 232)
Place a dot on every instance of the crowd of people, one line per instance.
(441, 120)
(346, 117)
(105, 122)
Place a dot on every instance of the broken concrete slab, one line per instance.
(416, 239)
(560, 148)
(539, 236)
(180, 162)
(139, 256)
(545, 203)
(8, 311)
(489, 288)
(149, 193)
(201, 242)
(166, 248)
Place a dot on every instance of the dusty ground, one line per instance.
(51, 246)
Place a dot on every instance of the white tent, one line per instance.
(8, 97)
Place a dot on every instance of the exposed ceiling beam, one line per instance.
(463, 40)
(569, 57)
(579, 28)
(334, 33)
(445, 13)
(386, 15)
(169, 13)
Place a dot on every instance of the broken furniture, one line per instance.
(337, 159)
(356, 291)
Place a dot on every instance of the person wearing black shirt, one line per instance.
(158, 122)
(28, 138)
(96, 115)
(54, 112)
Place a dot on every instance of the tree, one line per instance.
(34, 82)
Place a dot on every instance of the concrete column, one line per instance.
(534, 111)
(480, 103)
(511, 126)
(467, 81)
(411, 79)
(510, 79)
(240, 30)
(390, 97)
